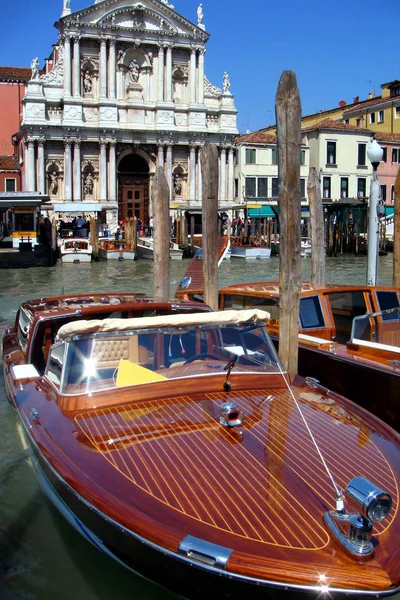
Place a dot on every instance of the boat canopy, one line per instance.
(203, 318)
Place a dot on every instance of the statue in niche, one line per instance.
(226, 82)
(53, 183)
(87, 82)
(177, 184)
(35, 68)
(134, 71)
(200, 14)
(88, 186)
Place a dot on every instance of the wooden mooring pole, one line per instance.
(161, 268)
(288, 122)
(94, 237)
(396, 232)
(317, 229)
(209, 166)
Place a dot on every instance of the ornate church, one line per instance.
(123, 92)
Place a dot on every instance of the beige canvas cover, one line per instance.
(110, 325)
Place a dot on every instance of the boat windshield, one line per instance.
(99, 361)
(380, 328)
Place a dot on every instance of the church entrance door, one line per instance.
(133, 197)
(133, 202)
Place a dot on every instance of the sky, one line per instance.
(337, 50)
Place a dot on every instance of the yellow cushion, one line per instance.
(130, 373)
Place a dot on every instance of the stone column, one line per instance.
(120, 83)
(222, 177)
(103, 68)
(199, 176)
(41, 168)
(77, 67)
(67, 66)
(111, 70)
(192, 76)
(112, 173)
(77, 171)
(169, 74)
(68, 169)
(30, 166)
(161, 74)
(169, 170)
(103, 170)
(160, 156)
(202, 51)
(231, 178)
(192, 174)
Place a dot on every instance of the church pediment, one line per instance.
(152, 16)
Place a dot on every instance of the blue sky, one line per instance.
(337, 50)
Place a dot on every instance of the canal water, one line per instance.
(41, 556)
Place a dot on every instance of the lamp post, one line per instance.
(374, 153)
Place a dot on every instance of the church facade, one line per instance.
(124, 92)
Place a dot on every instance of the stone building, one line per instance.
(125, 91)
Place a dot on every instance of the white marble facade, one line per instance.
(126, 79)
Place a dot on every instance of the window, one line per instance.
(383, 193)
(274, 156)
(395, 155)
(236, 188)
(384, 155)
(362, 153)
(302, 188)
(10, 185)
(250, 156)
(275, 190)
(392, 194)
(262, 187)
(388, 300)
(347, 121)
(395, 91)
(311, 316)
(381, 116)
(397, 112)
(361, 187)
(302, 157)
(344, 187)
(250, 187)
(331, 153)
(360, 122)
(372, 118)
(326, 187)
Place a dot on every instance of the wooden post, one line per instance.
(161, 268)
(396, 232)
(317, 229)
(94, 238)
(184, 232)
(288, 128)
(134, 234)
(209, 166)
(192, 232)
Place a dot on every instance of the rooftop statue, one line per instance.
(226, 82)
(200, 14)
(35, 68)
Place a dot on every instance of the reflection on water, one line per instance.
(41, 556)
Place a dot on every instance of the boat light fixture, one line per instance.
(230, 415)
(354, 530)
(184, 283)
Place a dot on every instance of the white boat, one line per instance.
(305, 248)
(76, 250)
(112, 249)
(249, 248)
(145, 249)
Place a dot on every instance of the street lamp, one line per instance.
(374, 153)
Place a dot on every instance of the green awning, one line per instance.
(389, 210)
(262, 212)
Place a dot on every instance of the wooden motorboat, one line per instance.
(305, 246)
(349, 338)
(75, 250)
(176, 445)
(111, 249)
(145, 249)
(249, 247)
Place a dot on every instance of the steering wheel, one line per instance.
(199, 356)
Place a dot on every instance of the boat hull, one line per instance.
(165, 568)
(76, 257)
(117, 254)
(251, 252)
(148, 253)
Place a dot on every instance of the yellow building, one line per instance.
(379, 114)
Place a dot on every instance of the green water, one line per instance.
(41, 556)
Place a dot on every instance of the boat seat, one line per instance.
(108, 353)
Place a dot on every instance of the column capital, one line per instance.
(67, 142)
(201, 50)
(29, 142)
(41, 141)
(112, 41)
(76, 36)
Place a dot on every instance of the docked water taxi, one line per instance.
(75, 250)
(172, 439)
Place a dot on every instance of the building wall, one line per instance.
(11, 95)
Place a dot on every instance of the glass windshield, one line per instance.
(382, 327)
(104, 360)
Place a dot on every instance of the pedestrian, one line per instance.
(151, 225)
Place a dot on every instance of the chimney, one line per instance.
(356, 99)
(342, 103)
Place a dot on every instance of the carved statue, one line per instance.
(67, 4)
(87, 82)
(177, 185)
(200, 14)
(134, 71)
(53, 183)
(226, 82)
(88, 187)
(35, 68)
